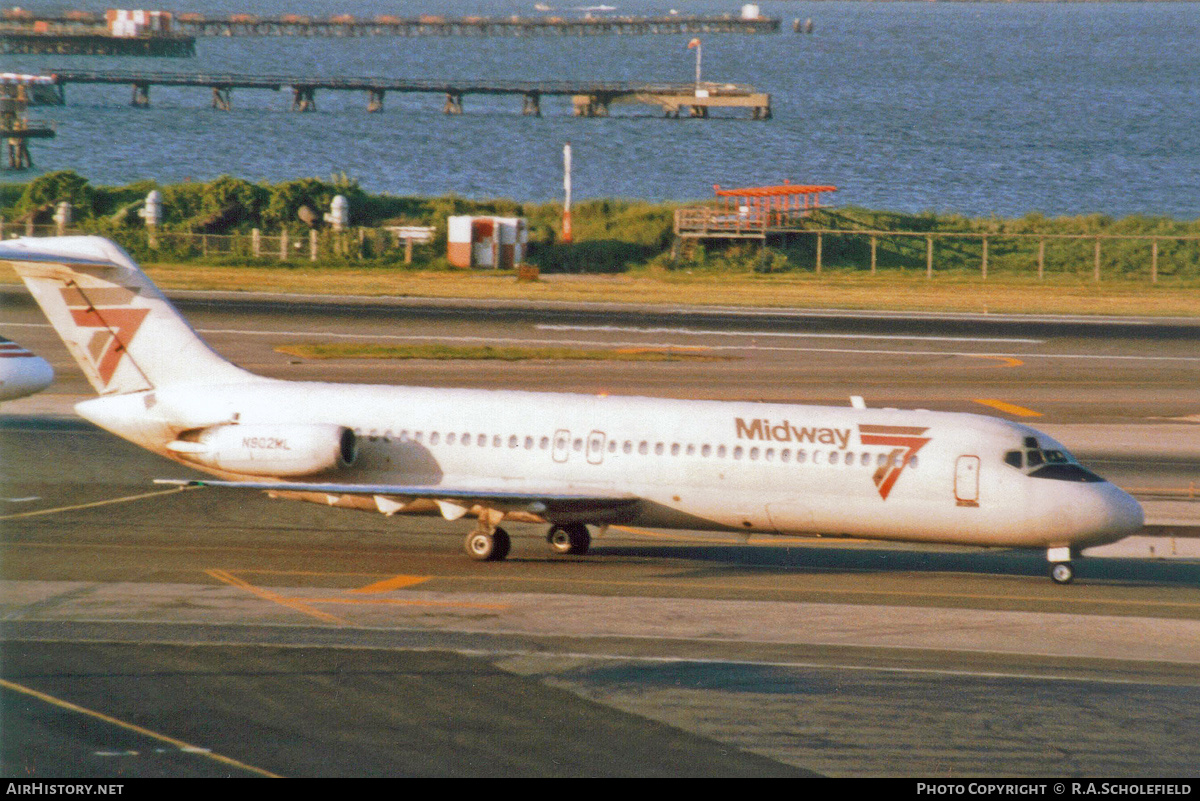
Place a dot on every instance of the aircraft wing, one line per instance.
(453, 501)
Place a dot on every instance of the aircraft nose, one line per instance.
(1127, 514)
(1120, 515)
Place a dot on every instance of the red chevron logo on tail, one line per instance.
(116, 323)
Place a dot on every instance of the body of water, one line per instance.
(975, 108)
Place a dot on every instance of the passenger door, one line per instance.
(966, 481)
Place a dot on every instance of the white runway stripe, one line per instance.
(789, 334)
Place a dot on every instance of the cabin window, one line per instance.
(529, 443)
(451, 438)
(1015, 459)
(706, 450)
(404, 435)
(577, 445)
(513, 441)
(643, 447)
(658, 449)
(833, 457)
(612, 446)
(419, 436)
(481, 440)
(770, 454)
(434, 437)
(754, 454)
(544, 443)
(912, 461)
(691, 449)
(801, 456)
(737, 452)
(674, 448)
(785, 455)
(496, 441)
(720, 451)
(627, 447)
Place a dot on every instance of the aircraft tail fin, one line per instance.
(123, 332)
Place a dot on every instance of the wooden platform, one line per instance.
(348, 26)
(589, 98)
(99, 43)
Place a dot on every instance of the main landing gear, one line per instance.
(572, 539)
(492, 543)
(485, 546)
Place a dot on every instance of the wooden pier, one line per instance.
(588, 98)
(15, 128)
(429, 25)
(76, 41)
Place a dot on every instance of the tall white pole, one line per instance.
(567, 235)
(699, 47)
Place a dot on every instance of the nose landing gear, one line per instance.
(1061, 569)
(1062, 572)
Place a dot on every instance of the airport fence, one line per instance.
(313, 245)
(1089, 256)
(1145, 256)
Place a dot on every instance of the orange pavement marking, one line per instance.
(394, 583)
(1008, 408)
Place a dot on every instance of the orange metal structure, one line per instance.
(775, 205)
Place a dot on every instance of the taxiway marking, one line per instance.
(1007, 408)
(394, 583)
(106, 502)
(692, 332)
(267, 595)
(180, 744)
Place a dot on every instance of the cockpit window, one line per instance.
(1050, 463)
(1066, 472)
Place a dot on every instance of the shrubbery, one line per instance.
(610, 235)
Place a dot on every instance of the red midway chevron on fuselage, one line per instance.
(906, 441)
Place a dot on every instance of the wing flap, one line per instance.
(395, 497)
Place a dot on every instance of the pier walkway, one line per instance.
(345, 25)
(589, 98)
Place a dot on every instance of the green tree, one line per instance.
(230, 202)
(47, 190)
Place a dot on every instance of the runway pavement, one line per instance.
(200, 633)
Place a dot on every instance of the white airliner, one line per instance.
(568, 461)
(21, 372)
